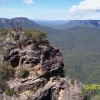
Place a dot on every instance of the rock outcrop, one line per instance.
(44, 64)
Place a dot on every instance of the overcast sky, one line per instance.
(50, 9)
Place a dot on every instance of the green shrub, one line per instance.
(33, 88)
(23, 73)
(72, 81)
(58, 77)
(0, 98)
(5, 73)
(90, 93)
(41, 86)
(19, 43)
(28, 97)
(28, 32)
(3, 77)
(9, 92)
(15, 46)
(34, 47)
(35, 34)
(6, 54)
(3, 31)
(11, 71)
(39, 35)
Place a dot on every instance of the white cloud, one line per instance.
(86, 9)
(86, 6)
(29, 2)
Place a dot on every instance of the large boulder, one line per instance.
(49, 59)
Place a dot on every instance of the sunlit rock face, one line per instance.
(44, 67)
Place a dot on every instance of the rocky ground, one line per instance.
(44, 78)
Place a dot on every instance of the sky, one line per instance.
(51, 9)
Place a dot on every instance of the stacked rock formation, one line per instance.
(44, 64)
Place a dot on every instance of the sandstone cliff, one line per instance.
(38, 70)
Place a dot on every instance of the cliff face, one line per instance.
(38, 71)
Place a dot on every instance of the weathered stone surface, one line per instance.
(49, 59)
(57, 91)
(1, 59)
(22, 37)
(44, 64)
(42, 93)
(8, 44)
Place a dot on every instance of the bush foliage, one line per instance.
(35, 34)
(23, 73)
(9, 92)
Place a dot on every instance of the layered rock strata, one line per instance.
(45, 79)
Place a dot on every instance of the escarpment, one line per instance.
(35, 69)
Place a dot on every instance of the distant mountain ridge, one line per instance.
(88, 22)
(27, 23)
(65, 24)
(51, 23)
(21, 20)
(93, 22)
(85, 23)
